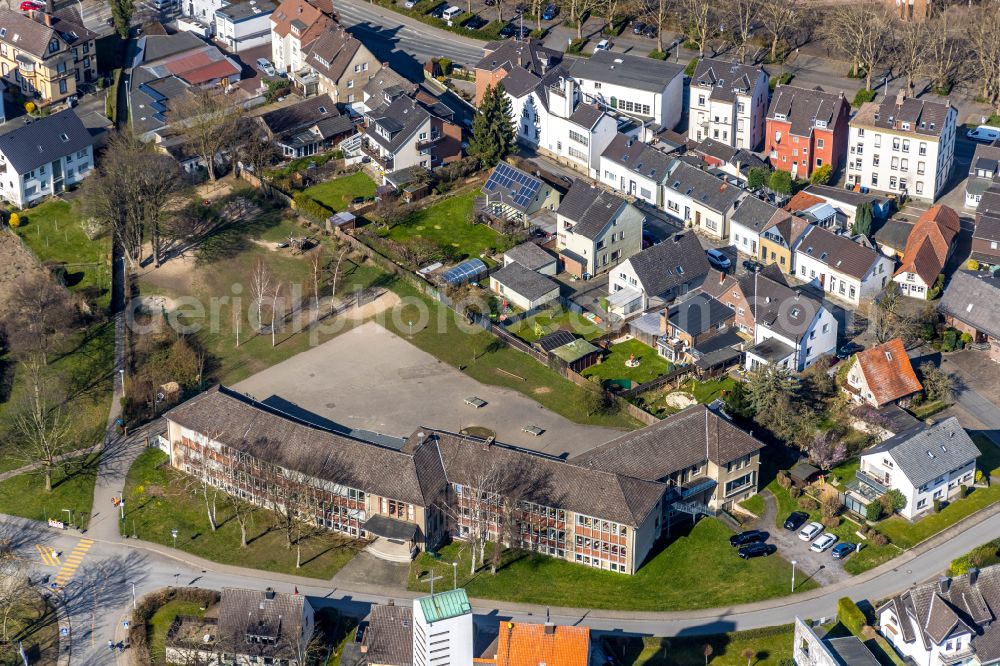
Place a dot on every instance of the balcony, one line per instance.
(373, 152)
(873, 482)
(434, 138)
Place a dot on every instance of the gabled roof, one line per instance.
(332, 52)
(530, 55)
(401, 119)
(157, 47)
(806, 108)
(974, 299)
(708, 190)
(773, 304)
(698, 314)
(43, 140)
(845, 196)
(626, 70)
(592, 208)
(716, 149)
(302, 19)
(25, 34)
(512, 187)
(803, 201)
(586, 115)
(677, 260)
(926, 452)
(839, 253)
(722, 79)
(300, 115)
(388, 640)
(530, 255)
(386, 85)
(888, 372)
(925, 117)
(521, 644)
(894, 234)
(640, 158)
(526, 282)
(930, 242)
(789, 227)
(755, 214)
(273, 619)
(677, 442)
(554, 340)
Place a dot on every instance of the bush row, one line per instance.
(138, 638)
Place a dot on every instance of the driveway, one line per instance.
(372, 379)
(977, 391)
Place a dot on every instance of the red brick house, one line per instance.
(806, 129)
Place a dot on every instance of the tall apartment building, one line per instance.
(443, 633)
(903, 145)
(806, 129)
(728, 103)
(295, 25)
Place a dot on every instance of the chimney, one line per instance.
(48, 19)
(550, 628)
(944, 583)
(900, 96)
(722, 277)
(269, 593)
(973, 576)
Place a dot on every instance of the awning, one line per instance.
(390, 528)
(623, 297)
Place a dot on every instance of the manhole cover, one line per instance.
(329, 405)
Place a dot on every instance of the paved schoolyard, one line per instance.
(372, 379)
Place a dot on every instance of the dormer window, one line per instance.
(821, 124)
(64, 137)
(906, 126)
(53, 46)
(780, 116)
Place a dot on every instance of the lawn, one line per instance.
(160, 624)
(613, 368)
(479, 355)
(549, 321)
(770, 646)
(158, 499)
(906, 534)
(845, 472)
(989, 461)
(448, 224)
(655, 401)
(72, 488)
(676, 577)
(36, 628)
(754, 505)
(337, 194)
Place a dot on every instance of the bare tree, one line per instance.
(260, 286)
(780, 18)
(578, 9)
(613, 9)
(657, 12)
(699, 21)
(16, 593)
(945, 55)
(274, 313)
(41, 313)
(40, 424)
(888, 317)
(243, 511)
(913, 43)
(741, 17)
(862, 31)
(336, 271)
(210, 121)
(984, 45)
(315, 271)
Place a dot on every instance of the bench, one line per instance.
(533, 430)
(475, 402)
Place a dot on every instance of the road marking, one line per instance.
(73, 562)
(48, 555)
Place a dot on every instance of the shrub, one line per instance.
(658, 55)
(780, 181)
(963, 490)
(831, 506)
(784, 79)
(938, 505)
(937, 288)
(851, 616)
(863, 96)
(808, 504)
(873, 511)
(691, 66)
(794, 492)
(576, 46)
(897, 500)
(831, 522)
(821, 176)
(309, 207)
(877, 538)
(973, 265)
(984, 555)
(14, 221)
(980, 476)
(784, 479)
(757, 178)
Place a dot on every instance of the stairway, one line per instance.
(390, 550)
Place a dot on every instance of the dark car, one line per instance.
(752, 266)
(650, 31)
(795, 520)
(757, 550)
(842, 550)
(638, 27)
(550, 12)
(849, 349)
(743, 538)
(438, 11)
(475, 23)
(514, 30)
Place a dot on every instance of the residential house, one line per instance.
(971, 304)
(385, 85)
(512, 194)
(44, 157)
(928, 249)
(252, 627)
(725, 160)
(46, 56)
(705, 201)
(553, 340)
(806, 128)
(308, 127)
(778, 239)
(295, 25)
(647, 89)
(903, 145)
(657, 275)
(406, 133)
(892, 236)
(596, 230)
(983, 172)
(927, 464)
(882, 375)
(953, 620)
(501, 57)
(809, 648)
(523, 644)
(531, 256)
(244, 25)
(704, 458)
(847, 203)
(635, 168)
(688, 325)
(523, 287)
(443, 631)
(387, 639)
(986, 233)
(815, 211)
(747, 222)
(343, 66)
(728, 102)
(841, 267)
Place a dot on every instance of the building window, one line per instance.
(62, 86)
(820, 143)
(53, 46)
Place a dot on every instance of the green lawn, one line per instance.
(770, 646)
(549, 321)
(477, 353)
(989, 461)
(161, 621)
(651, 364)
(337, 194)
(448, 224)
(707, 391)
(34, 626)
(158, 500)
(72, 488)
(845, 472)
(676, 578)
(906, 534)
(754, 505)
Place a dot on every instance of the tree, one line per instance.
(578, 10)
(770, 393)
(888, 318)
(757, 178)
(862, 31)
(780, 181)
(945, 55)
(983, 43)
(121, 15)
(897, 500)
(40, 313)
(16, 593)
(699, 21)
(15, 221)
(938, 385)
(821, 175)
(260, 287)
(40, 424)
(493, 129)
(781, 18)
(657, 14)
(827, 449)
(210, 121)
(748, 654)
(863, 220)
(913, 41)
(873, 511)
(707, 651)
(743, 16)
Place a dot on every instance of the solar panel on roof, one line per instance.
(521, 187)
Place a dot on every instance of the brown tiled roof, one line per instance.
(244, 613)
(289, 12)
(521, 644)
(790, 227)
(802, 107)
(930, 242)
(675, 443)
(803, 201)
(888, 372)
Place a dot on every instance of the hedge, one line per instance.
(310, 208)
(138, 637)
(851, 616)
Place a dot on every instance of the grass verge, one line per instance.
(770, 646)
(72, 488)
(337, 194)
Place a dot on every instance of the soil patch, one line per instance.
(680, 400)
(16, 265)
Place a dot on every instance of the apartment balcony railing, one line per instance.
(373, 152)
(873, 482)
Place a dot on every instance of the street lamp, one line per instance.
(793, 574)
(121, 373)
(69, 516)
(173, 533)
(454, 572)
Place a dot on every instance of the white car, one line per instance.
(409, 4)
(809, 532)
(824, 542)
(264, 65)
(603, 45)
(984, 133)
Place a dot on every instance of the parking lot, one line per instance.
(372, 379)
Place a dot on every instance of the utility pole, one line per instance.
(793, 574)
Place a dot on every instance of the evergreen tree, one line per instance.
(863, 220)
(492, 129)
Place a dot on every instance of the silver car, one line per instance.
(823, 543)
(809, 532)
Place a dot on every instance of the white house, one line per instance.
(523, 287)
(925, 463)
(841, 267)
(44, 157)
(983, 171)
(809, 649)
(747, 221)
(700, 198)
(443, 631)
(903, 145)
(295, 25)
(947, 622)
(728, 103)
(648, 89)
(635, 168)
(596, 229)
(657, 275)
(244, 25)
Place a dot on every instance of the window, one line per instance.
(922, 149)
(350, 83)
(920, 187)
(906, 145)
(820, 144)
(701, 100)
(861, 132)
(874, 179)
(579, 138)
(62, 86)
(53, 46)
(819, 161)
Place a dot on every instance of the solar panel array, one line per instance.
(522, 187)
(466, 272)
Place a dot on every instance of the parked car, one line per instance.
(28, 6)
(718, 259)
(410, 4)
(512, 29)
(438, 11)
(842, 550)
(849, 349)
(981, 133)
(264, 65)
(810, 531)
(450, 14)
(550, 12)
(475, 23)
(603, 45)
(757, 550)
(748, 537)
(650, 31)
(752, 266)
(823, 543)
(638, 27)
(795, 520)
